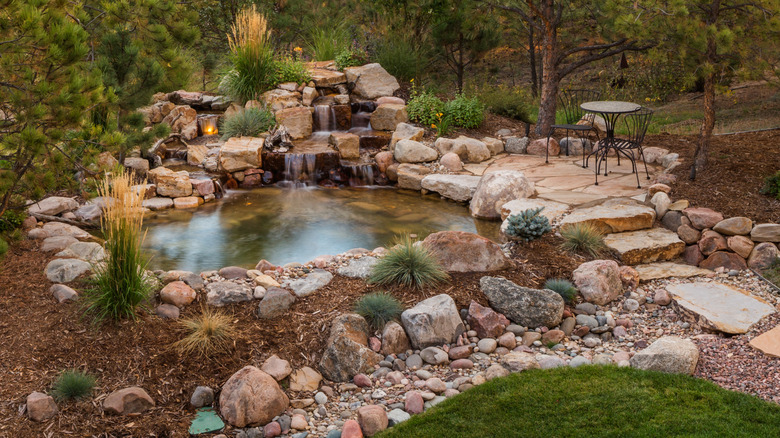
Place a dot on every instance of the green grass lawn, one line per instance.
(595, 401)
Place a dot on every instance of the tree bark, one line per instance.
(550, 82)
(532, 61)
(707, 126)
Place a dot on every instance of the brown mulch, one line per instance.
(40, 338)
(735, 172)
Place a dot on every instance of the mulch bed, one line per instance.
(41, 338)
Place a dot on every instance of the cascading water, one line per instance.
(299, 171)
(360, 174)
(324, 118)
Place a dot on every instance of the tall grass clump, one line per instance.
(562, 287)
(248, 122)
(206, 334)
(73, 385)
(409, 265)
(254, 68)
(120, 284)
(325, 43)
(583, 237)
(378, 309)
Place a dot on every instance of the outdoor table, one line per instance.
(610, 111)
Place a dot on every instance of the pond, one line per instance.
(297, 225)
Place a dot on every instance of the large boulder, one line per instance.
(53, 205)
(347, 144)
(433, 322)
(224, 292)
(306, 286)
(669, 354)
(297, 120)
(128, 401)
(405, 131)
(734, 226)
(183, 120)
(496, 189)
(527, 307)
(177, 293)
(646, 246)
(459, 251)
(324, 78)
(723, 259)
(410, 176)
(371, 81)
(456, 187)
(763, 255)
(387, 116)
(538, 146)
(766, 233)
(277, 100)
(275, 303)
(394, 339)
(196, 153)
(598, 281)
(469, 150)
(702, 218)
(171, 184)
(251, 397)
(485, 321)
(137, 165)
(66, 270)
(241, 153)
(347, 353)
(87, 251)
(410, 151)
(614, 216)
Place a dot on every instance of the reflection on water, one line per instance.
(286, 226)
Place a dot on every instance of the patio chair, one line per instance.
(569, 101)
(636, 124)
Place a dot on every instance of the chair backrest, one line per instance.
(570, 100)
(637, 124)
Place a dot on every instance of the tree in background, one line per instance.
(45, 91)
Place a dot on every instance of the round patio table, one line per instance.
(610, 110)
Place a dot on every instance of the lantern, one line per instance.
(208, 124)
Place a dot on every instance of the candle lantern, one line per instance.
(208, 124)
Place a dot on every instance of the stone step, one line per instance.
(613, 215)
(768, 343)
(719, 306)
(654, 271)
(645, 246)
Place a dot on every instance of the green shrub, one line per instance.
(73, 385)
(289, 69)
(378, 308)
(249, 122)
(772, 273)
(350, 57)
(11, 220)
(466, 112)
(401, 58)
(772, 185)
(120, 284)
(3, 247)
(562, 287)
(512, 103)
(209, 333)
(528, 225)
(583, 237)
(326, 43)
(408, 264)
(424, 108)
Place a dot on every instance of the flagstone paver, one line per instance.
(768, 343)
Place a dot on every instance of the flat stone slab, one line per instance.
(719, 306)
(614, 216)
(768, 343)
(654, 271)
(552, 210)
(456, 187)
(572, 198)
(645, 246)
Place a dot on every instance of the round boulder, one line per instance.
(251, 396)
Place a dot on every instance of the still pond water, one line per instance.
(283, 226)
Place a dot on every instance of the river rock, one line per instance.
(766, 233)
(613, 216)
(523, 306)
(223, 293)
(128, 401)
(275, 303)
(358, 268)
(516, 145)
(372, 419)
(65, 270)
(742, 245)
(241, 153)
(315, 280)
(456, 187)
(277, 368)
(347, 353)
(459, 251)
(405, 131)
(57, 243)
(431, 322)
(734, 226)
(598, 281)
(177, 293)
(451, 161)
(387, 116)
(171, 184)
(251, 397)
(485, 321)
(371, 81)
(669, 354)
(496, 189)
(434, 356)
(711, 241)
(157, 203)
(516, 361)
(63, 293)
(410, 176)
(60, 229)
(41, 407)
(297, 120)
(53, 205)
(87, 251)
(723, 259)
(702, 218)
(394, 339)
(410, 151)
(763, 255)
(305, 379)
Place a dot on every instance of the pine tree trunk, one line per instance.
(708, 125)
(550, 82)
(532, 61)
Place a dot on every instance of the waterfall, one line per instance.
(299, 171)
(324, 118)
(360, 174)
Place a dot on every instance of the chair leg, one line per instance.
(642, 154)
(547, 149)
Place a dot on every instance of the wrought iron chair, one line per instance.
(636, 125)
(570, 101)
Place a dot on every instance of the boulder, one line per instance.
(688, 234)
(390, 99)
(139, 166)
(645, 246)
(314, 281)
(372, 419)
(410, 176)
(516, 145)
(298, 121)
(550, 209)
(451, 161)
(41, 407)
(277, 368)
(57, 243)
(275, 303)
(387, 116)
(485, 321)
(358, 268)
(523, 306)
(277, 100)
(766, 233)
(203, 396)
(63, 293)
(763, 255)
(734, 226)
(53, 205)
(598, 281)
(459, 251)
(251, 397)
(692, 255)
(405, 131)
(324, 78)
(394, 339)
(433, 322)
(496, 189)
(183, 120)
(494, 145)
(575, 146)
(187, 202)
(469, 150)
(456, 187)
(347, 144)
(669, 354)
(351, 429)
(702, 218)
(347, 353)
(410, 151)
(742, 245)
(305, 379)
(128, 401)
(177, 293)
(66, 270)
(196, 153)
(538, 147)
(202, 187)
(516, 361)
(661, 202)
(723, 259)
(171, 184)
(711, 241)
(371, 81)
(614, 216)
(157, 203)
(241, 153)
(91, 212)
(60, 229)
(223, 293)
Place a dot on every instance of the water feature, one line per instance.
(285, 226)
(300, 170)
(359, 175)
(324, 118)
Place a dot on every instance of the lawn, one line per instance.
(595, 401)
